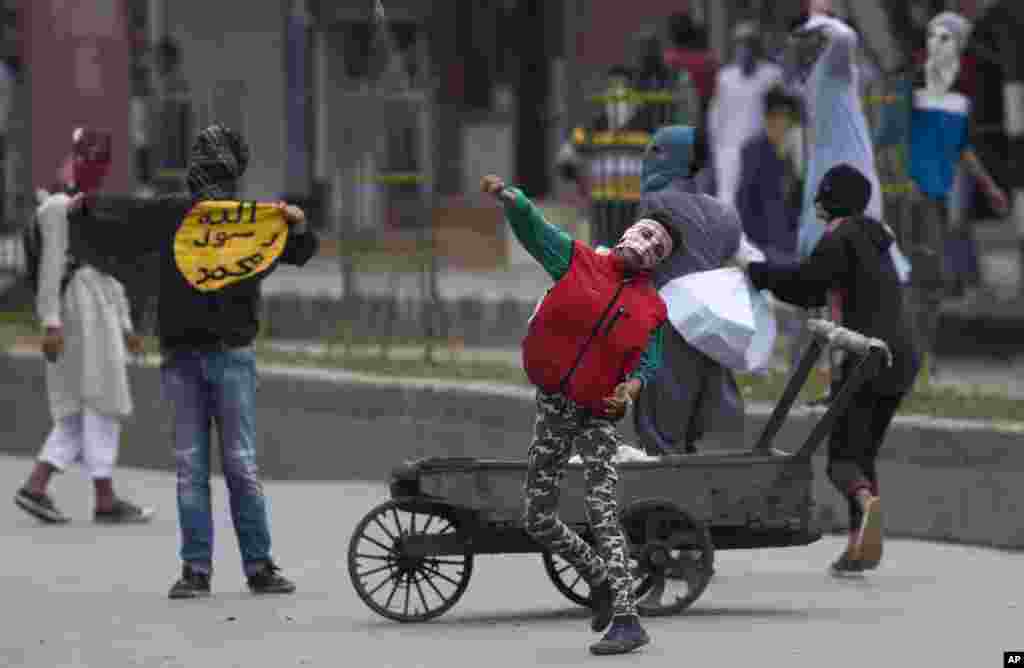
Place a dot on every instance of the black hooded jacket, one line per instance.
(132, 227)
(186, 318)
(854, 258)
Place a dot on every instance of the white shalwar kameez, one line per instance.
(736, 115)
(88, 387)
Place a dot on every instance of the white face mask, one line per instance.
(943, 48)
(649, 240)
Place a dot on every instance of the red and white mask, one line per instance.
(646, 242)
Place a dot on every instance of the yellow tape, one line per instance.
(636, 97)
(897, 188)
(881, 99)
(396, 178)
(635, 138)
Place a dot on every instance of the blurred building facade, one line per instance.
(358, 123)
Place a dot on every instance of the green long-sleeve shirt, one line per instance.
(552, 248)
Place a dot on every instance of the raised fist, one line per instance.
(492, 185)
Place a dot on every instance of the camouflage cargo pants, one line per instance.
(561, 427)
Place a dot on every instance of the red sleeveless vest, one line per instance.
(591, 328)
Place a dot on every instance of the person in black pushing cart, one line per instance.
(852, 271)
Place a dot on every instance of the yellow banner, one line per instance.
(223, 242)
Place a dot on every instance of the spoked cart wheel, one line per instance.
(407, 561)
(566, 579)
(673, 554)
(571, 584)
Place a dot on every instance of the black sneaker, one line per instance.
(192, 584)
(40, 506)
(267, 581)
(601, 603)
(624, 636)
(123, 512)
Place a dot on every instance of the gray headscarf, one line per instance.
(956, 24)
(218, 159)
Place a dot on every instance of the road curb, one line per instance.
(949, 480)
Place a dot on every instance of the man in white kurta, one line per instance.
(736, 114)
(86, 318)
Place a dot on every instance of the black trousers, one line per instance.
(854, 444)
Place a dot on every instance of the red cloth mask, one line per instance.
(89, 174)
(90, 159)
(649, 240)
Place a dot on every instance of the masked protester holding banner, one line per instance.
(214, 250)
(691, 394)
(591, 346)
(88, 332)
(852, 270)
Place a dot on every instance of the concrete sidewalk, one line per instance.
(81, 596)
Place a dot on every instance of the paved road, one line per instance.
(77, 596)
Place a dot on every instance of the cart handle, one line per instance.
(847, 339)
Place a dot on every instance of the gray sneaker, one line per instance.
(40, 506)
(124, 512)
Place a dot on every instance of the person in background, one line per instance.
(770, 184)
(736, 113)
(592, 345)
(691, 394)
(768, 198)
(933, 120)
(209, 366)
(603, 157)
(821, 60)
(852, 270)
(88, 333)
(691, 55)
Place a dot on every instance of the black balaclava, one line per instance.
(844, 192)
(219, 158)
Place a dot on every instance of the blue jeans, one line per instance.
(206, 387)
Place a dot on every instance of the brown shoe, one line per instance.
(868, 545)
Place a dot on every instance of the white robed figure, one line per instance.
(85, 316)
(822, 56)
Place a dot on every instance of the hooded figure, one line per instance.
(736, 114)
(691, 394)
(853, 271)
(822, 57)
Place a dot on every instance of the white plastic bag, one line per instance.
(723, 315)
(625, 453)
